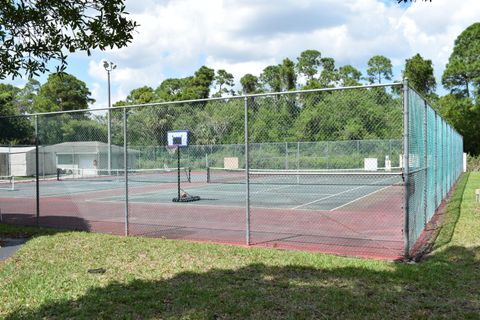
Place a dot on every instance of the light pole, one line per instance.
(109, 66)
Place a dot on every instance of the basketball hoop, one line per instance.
(171, 149)
(175, 140)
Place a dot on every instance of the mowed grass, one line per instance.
(164, 279)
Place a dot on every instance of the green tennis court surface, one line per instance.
(306, 191)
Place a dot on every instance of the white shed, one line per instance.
(89, 155)
(20, 162)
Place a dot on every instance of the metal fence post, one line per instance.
(298, 155)
(327, 154)
(9, 168)
(125, 167)
(286, 155)
(109, 129)
(452, 178)
(442, 138)
(406, 160)
(435, 160)
(37, 181)
(247, 177)
(425, 163)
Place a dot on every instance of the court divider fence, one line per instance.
(354, 171)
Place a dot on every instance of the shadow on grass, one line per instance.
(446, 286)
(16, 225)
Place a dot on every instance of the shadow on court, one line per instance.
(57, 222)
(263, 291)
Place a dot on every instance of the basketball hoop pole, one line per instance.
(178, 172)
(178, 139)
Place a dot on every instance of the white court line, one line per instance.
(336, 194)
(369, 194)
(132, 196)
(72, 192)
(330, 196)
(271, 189)
(193, 204)
(343, 205)
(216, 189)
(56, 195)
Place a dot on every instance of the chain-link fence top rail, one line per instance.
(326, 129)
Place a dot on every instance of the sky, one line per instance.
(176, 37)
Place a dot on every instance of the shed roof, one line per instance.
(85, 146)
(16, 149)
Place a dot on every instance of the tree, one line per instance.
(34, 32)
(329, 75)
(171, 89)
(462, 73)
(223, 78)
(62, 92)
(12, 129)
(462, 77)
(189, 88)
(198, 87)
(219, 123)
(85, 129)
(8, 95)
(272, 119)
(308, 63)
(249, 83)
(420, 74)
(349, 76)
(379, 67)
(271, 77)
(464, 115)
(349, 115)
(27, 95)
(140, 95)
(281, 77)
(288, 75)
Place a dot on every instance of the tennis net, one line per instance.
(7, 183)
(118, 175)
(379, 177)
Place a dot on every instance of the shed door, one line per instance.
(85, 161)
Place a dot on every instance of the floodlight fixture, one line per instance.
(108, 65)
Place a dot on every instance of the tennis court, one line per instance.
(330, 194)
(287, 209)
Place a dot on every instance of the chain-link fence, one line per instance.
(435, 152)
(355, 171)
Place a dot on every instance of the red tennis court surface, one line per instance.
(362, 221)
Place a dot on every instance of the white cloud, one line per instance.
(431, 28)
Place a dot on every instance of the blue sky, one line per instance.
(176, 37)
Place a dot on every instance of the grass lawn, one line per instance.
(166, 279)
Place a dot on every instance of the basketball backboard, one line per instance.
(177, 138)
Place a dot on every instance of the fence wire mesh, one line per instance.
(17, 171)
(319, 170)
(333, 198)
